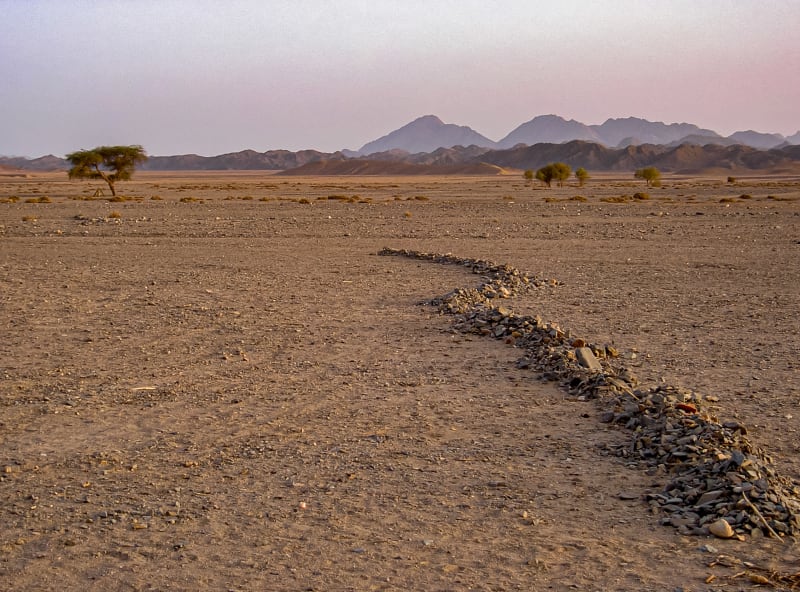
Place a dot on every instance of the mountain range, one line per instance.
(427, 145)
(428, 133)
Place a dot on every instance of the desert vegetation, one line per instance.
(555, 171)
(109, 163)
(651, 176)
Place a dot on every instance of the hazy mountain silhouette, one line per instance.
(43, 163)
(633, 130)
(551, 129)
(758, 139)
(426, 134)
(701, 140)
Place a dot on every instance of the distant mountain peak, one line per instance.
(551, 129)
(426, 134)
(428, 119)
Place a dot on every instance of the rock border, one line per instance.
(718, 482)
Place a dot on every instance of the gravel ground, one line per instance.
(234, 391)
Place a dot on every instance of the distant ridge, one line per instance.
(475, 160)
(246, 160)
(682, 159)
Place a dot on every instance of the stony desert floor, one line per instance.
(215, 383)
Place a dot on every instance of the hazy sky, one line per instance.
(209, 77)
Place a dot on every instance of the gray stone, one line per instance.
(587, 359)
(708, 497)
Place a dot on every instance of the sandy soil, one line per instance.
(234, 392)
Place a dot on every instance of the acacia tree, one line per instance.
(528, 175)
(581, 174)
(651, 175)
(562, 172)
(555, 171)
(109, 163)
(545, 175)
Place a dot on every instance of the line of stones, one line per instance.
(714, 472)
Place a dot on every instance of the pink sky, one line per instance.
(212, 77)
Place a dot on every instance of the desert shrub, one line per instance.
(421, 198)
(407, 214)
(641, 196)
(578, 198)
(29, 218)
(115, 214)
(745, 196)
(615, 199)
(10, 199)
(156, 198)
(651, 175)
(339, 197)
(190, 199)
(731, 179)
(42, 199)
(726, 200)
(304, 200)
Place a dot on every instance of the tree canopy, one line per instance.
(555, 171)
(109, 163)
(581, 174)
(651, 175)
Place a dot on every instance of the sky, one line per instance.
(209, 77)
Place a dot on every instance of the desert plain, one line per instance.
(215, 382)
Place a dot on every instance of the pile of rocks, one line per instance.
(718, 481)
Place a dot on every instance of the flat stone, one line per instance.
(587, 359)
(708, 497)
